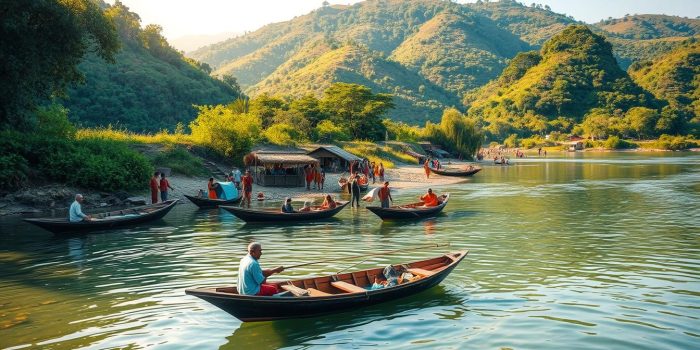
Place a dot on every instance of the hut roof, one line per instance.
(289, 158)
(339, 152)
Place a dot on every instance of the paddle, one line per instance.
(366, 255)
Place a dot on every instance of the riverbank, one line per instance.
(57, 197)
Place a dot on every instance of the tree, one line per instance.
(310, 107)
(41, 44)
(265, 107)
(642, 120)
(232, 82)
(357, 109)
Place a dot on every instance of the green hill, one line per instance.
(317, 66)
(574, 73)
(674, 77)
(150, 87)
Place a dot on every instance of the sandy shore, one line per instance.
(404, 177)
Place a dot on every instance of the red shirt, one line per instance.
(384, 193)
(247, 183)
(164, 184)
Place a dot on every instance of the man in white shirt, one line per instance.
(75, 214)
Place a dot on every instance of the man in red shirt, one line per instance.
(247, 187)
(164, 186)
(385, 195)
(430, 199)
(154, 188)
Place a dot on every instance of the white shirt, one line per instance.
(75, 213)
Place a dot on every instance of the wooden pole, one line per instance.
(389, 252)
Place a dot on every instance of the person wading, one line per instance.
(385, 195)
(355, 191)
(154, 187)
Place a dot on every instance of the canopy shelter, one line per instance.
(281, 169)
(333, 158)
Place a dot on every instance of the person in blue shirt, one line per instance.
(287, 206)
(251, 278)
(75, 213)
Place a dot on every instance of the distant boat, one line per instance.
(206, 202)
(108, 220)
(457, 172)
(272, 215)
(328, 294)
(410, 211)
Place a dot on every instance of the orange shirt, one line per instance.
(430, 200)
(212, 192)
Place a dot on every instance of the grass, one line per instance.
(180, 161)
(110, 133)
(389, 154)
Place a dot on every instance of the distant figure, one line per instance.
(355, 191)
(251, 278)
(426, 167)
(306, 207)
(75, 214)
(164, 186)
(381, 171)
(545, 153)
(287, 206)
(247, 187)
(385, 195)
(309, 176)
(329, 203)
(211, 187)
(154, 187)
(237, 178)
(321, 177)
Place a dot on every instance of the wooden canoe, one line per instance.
(410, 211)
(272, 215)
(328, 294)
(108, 220)
(456, 172)
(207, 202)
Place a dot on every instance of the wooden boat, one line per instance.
(328, 294)
(271, 215)
(457, 172)
(206, 202)
(103, 221)
(343, 183)
(410, 211)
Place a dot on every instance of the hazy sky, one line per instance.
(183, 17)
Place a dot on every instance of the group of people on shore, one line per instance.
(371, 170)
(315, 175)
(159, 184)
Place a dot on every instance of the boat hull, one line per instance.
(464, 173)
(212, 203)
(63, 226)
(397, 213)
(268, 216)
(258, 308)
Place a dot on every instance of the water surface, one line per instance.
(580, 251)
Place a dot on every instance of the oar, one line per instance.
(366, 256)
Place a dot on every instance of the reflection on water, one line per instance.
(591, 251)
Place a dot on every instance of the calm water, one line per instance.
(585, 251)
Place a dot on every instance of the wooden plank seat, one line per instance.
(347, 287)
(301, 292)
(421, 272)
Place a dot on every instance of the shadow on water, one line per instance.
(297, 332)
(459, 214)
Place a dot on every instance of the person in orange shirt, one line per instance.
(426, 167)
(430, 199)
(212, 190)
(247, 188)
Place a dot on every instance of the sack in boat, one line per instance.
(371, 195)
(392, 276)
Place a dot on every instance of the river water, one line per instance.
(576, 251)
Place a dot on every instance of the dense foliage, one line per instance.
(150, 87)
(674, 78)
(41, 44)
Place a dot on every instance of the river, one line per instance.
(575, 251)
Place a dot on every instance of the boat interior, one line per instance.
(358, 281)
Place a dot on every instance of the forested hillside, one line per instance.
(674, 77)
(572, 77)
(149, 87)
(429, 53)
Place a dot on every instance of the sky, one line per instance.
(184, 17)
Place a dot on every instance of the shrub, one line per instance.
(224, 131)
(283, 135)
(327, 131)
(14, 171)
(674, 143)
(180, 161)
